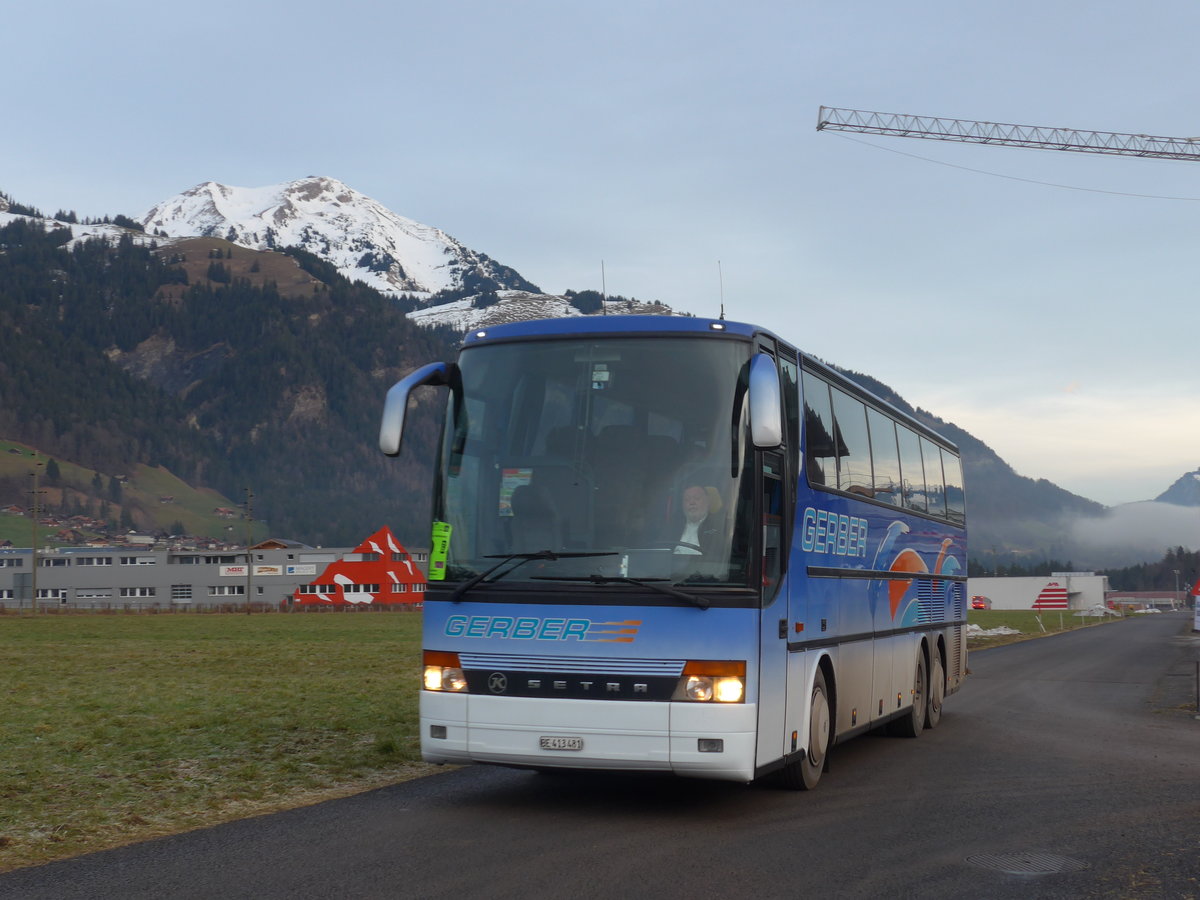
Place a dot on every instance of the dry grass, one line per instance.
(123, 727)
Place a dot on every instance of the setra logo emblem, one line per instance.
(497, 682)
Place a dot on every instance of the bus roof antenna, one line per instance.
(721, 283)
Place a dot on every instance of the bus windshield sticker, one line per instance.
(510, 480)
(439, 546)
(600, 376)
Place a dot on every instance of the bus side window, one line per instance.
(820, 458)
(853, 444)
(912, 472)
(772, 526)
(885, 457)
(956, 501)
(935, 486)
(791, 402)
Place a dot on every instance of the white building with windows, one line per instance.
(99, 578)
(1059, 590)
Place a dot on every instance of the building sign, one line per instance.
(379, 572)
(268, 570)
(233, 571)
(1052, 596)
(301, 570)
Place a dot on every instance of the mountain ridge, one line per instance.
(1185, 491)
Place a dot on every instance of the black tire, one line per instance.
(804, 773)
(910, 726)
(936, 693)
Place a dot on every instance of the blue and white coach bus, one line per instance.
(680, 545)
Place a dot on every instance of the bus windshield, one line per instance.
(625, 458)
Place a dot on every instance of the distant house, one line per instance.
(225, 512)
(280, 544)
(380, 572)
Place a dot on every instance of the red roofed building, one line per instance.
(380, 572)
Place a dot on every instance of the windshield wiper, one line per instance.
(652, 583)
(523, 558)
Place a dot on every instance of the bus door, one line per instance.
(773, 655)
(777, 497)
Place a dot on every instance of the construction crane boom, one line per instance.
(1033, 136)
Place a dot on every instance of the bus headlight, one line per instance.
(444, 678)
(719, 681)
(699, 687)
(443, 672)
(729, 690)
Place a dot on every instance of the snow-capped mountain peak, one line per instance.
(364, 239)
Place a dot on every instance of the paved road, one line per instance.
(1065, 768)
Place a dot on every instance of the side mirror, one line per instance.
(766, 419)
(391, 429)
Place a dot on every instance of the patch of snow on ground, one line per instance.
(976, 631)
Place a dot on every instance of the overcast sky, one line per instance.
(1043, 301)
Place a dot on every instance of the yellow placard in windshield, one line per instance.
(439, 547)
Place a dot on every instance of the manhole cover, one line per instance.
(1027, 863)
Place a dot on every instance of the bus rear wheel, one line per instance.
(937, 692)
(804, 773)
(911, 725)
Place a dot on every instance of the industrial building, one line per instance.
(271, 575)
(1059, 590)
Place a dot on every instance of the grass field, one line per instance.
(1030, 623)
(118, 728)
(122, 727)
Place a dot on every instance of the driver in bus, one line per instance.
(701, 533)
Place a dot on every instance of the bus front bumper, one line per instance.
(701, 740)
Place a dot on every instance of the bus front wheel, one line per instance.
(804, 773)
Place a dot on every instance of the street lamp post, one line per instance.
(34, 513)
(249, 554)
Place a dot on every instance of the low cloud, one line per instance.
(1138, 532)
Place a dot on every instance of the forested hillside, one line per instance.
(1177, 570)
(112, 355)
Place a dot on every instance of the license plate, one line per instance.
(560, 743)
